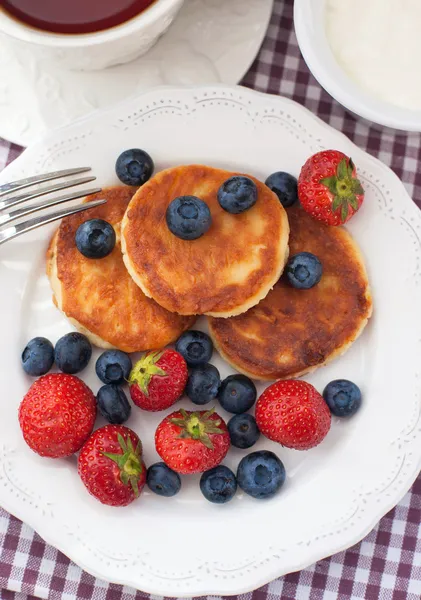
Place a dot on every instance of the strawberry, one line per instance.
(111, 466)
(328, 187)
(192, 442)
(57, 415)
(158, 380)
(294, 414)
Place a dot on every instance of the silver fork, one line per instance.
(9, 200)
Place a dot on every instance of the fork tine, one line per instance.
(14, 231)
(15, 200)
(28, 210)
(24, 183)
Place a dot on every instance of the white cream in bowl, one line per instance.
(366, 55)
(378, 44)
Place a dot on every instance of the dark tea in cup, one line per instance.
(74, 16)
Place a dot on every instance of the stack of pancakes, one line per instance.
(153, 285)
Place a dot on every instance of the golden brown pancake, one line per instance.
(223, 273)
(98, 296)
(292, 332)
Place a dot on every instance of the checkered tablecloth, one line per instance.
(386, 565)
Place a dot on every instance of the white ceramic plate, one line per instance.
(210, 41)
(334, 493)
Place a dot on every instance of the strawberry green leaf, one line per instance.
(135, 486)
(206, 441)
(351, 167)
(342, 170)
(330, 183)
(119, 459)
(122, 442)
(337, 201)
(344, 212)
(213, 429)
(178, 422)
(357, 188)
(129, 445)
(353, 202)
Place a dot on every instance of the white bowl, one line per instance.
(310, 29)
(91, 51)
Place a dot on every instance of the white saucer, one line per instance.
(211, 41)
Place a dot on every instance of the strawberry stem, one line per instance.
(198, 426)
(145, 369)
(195, 427)
(129, 463)
(344, 187)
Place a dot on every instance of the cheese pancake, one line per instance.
(98, 295)
(292, 332)
(223, 273)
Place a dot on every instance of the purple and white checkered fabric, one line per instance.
(386, 565)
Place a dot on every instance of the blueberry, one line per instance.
(134, 167)
(195, 347)
(237, 394)
(303, 270)
(237, 194)
(95, 238)
(243, 431)
(342, 397)
(162, 480)
(218, 485)
(188, 217)
(261, 474)
(72, 353)
(285, 187)
(203, 384)
(113, 404)
(113, 366)
(38, 357)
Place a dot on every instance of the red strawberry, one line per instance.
(111, 466)
(294, 414)
(328, 187)
(57, 415)
(192, 442)
(158, 380)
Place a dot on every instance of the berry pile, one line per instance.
(58, 413)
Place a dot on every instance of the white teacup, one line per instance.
(91, 51)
